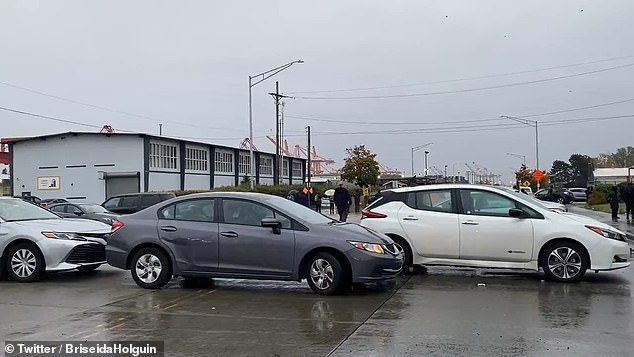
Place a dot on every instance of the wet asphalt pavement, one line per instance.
(449, 312)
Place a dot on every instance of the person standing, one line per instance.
(331, 203)
(613, 199)
(317, 203)
(628, 196)
(343, 200)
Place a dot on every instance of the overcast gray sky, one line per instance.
(186, 64)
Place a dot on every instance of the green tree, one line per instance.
(562, 172)
(524, 174)
(360, 167)
(582, 167)
(623, 157)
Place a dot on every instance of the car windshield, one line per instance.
(297, 211)
(17, 210)
(93, 208)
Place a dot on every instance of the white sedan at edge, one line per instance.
(34, 240)
(488, 227)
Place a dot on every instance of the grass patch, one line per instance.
(605, 207)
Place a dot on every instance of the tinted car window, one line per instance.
(149, 200)
(484, 203)
(194, 210)
(59, 208)
(250, 213)
(130, 201)
(437, 200)
(112, 203)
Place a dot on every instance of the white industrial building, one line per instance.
(92, 167)
(613, 176)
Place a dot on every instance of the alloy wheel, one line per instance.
(564, 263)
(23, 263)
(148, 268)
(321, 273)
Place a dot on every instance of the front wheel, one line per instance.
(151, 269)
(565, 262)
(326, 275)
(560, 200)
(25, 263)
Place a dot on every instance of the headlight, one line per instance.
(607, 233)
(62, 235)
(370, 247)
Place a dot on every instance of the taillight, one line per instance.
(369, 214)
(115, 225)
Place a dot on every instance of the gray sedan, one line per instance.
(34, 240)
(252, 236)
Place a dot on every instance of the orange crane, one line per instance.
(317, 162)
(247, 144)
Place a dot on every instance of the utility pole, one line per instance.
(309, 163)
(160, 129)
(277, 97)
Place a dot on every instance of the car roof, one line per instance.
(442, 186)
(142, 194)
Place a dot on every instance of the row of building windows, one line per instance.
(165, 156)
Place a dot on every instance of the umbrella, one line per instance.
(330, 192)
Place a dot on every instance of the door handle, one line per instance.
(470, 223)
(168, 228)
(229, 234)
(410, 218)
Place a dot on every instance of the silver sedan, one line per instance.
(34, 240)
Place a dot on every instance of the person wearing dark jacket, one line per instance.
(613, 199)
(342, 201)
(628, 195)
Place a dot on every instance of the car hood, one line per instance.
(590, 221)
(66, 225)
(355, 232)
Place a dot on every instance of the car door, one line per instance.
(488, 232)
(247, 247)
(429, 219)
(190, 229)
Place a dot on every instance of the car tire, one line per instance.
(408, 265)
(88, 268)
(150, 268)
(560, 200)
(24, 263)
(326, 275)
(565, 262)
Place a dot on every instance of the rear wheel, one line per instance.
(326, 275)
(150, 268)
(565, 262)
(24, 263)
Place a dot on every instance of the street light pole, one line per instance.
(416, 148)
(265, 75)
(523, 157)
(426, 153)
(536, 125)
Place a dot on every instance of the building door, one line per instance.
(117, 185)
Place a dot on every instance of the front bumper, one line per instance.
(66, 255)
(611, 255)
(371, 267)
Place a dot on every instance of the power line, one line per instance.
(99, 107)
(516, 84)
(53, 118)
(458, 121)
(460, 79)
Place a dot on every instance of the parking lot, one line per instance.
(446, 312)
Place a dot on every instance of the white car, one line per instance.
(488, 227)
(34, 240)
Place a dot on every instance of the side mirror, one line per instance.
(516, 213)
(78, 212)
(272, 223)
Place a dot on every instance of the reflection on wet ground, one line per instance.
(471, 312)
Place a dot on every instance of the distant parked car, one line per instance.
(35, 240)
(134, 202)
(580, 194)
(250, 236)
(47, 202)
(84, 210)
(563, 196)
(33, 199)
(487, 227)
